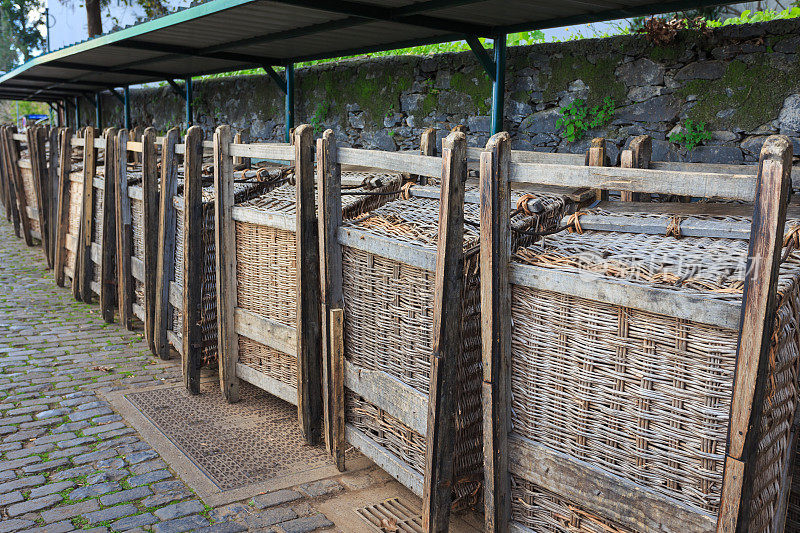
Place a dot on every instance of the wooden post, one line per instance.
(759, 305)
(329, 200)
(427, 146)
(309, 361)
(241, 163)
(4, 174)
(495, 194)
(636, 156)
(193, 252)
(225, 241)
(596, 157)
(135, 136)
(19, 187)
(11, 187)
(124, 241)
(337, 386)
(36, 151)
(62, 218)
(447, 347)
(165, 268)
(52, 191)
(149, 160)
(108, 246)
(84, 268)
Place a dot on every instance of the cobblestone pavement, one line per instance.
(68, 461)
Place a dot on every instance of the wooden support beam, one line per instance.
(225, 241)
(176, 88)
(52, 190)
(37, 140)
(309, 361)
(337, 365)
(124, 236)
(329, 200)
(108, 246)
(62, 217)
(18, 186)
(84, 266)
(758, 317)
(495, 193)
(482, 55)
(280, 82)
(149, 159)
(636, 156)
(427, 146)
(447, 338)
(193, 252)
(596, 157)
(165, 268)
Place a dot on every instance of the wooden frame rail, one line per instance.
(430, 415)
(64, 201)
(609, 497)
(302, 341)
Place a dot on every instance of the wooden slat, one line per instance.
(337, 388)
(390, 394)
(149, 189)
(32, 212)
(719, 229)
(137, 269)
(398, 161)
(62, 208)
(99, 142)
(309, 329)
(265, 331)
(124, 240)
(263, 218)
(636, 156)
(705, 185)
(95, 253)
(696, 307)
(36, 234)
(280, 152)
(77, 141)
(19, 137)
(135, 146)
(11, 184)
(447, 338)
(495, 231)
(759, 306)
(53, 190)
(138, 311)
(175, 295)
(193, 253)
(83, 266)
(108, 265)
(387, 247)
(12, 152)
(329, 203)
(180, 149)
(389, 462)
(605, 495)
(43, 187)
(225, 245)
(165, 267)
(135, 193)
(98, 182)
(24, 164)
(175, 341)
(277, 388)
(71, 243)
(94, 287)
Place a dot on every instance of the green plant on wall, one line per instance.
(577, 118)
(320, 114)
(691, 135)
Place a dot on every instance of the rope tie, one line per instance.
(405, 190)
(574, 223)
(674, 227)
(522, 203)
(791, 241)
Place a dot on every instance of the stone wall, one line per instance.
(742, 81)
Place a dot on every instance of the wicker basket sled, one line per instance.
(634, 380)
(26, 183)
(268, 268)
(186, 302)
(137, 218)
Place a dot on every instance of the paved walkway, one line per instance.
(68, 460)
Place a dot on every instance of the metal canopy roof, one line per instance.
(228, 35)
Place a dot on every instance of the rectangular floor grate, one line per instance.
(392, 515)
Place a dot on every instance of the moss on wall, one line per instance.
(746, 96)
(477, 86)
(599, 77)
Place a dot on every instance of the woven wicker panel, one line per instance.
(137, 229)
(793, 514)
(542, 511)
(74, 215)
(29, 188)
(644, 396)
(97, 227)
(268, 361)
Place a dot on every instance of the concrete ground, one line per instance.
(72, 459)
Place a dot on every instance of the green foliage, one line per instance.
(749, 17)
(320, 114)
(21, 31)
(578, 118)
(691, 135)
(599, 77)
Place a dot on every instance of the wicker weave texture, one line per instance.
(137, 229)
(644, 396)
(74, 217)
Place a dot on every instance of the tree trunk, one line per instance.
(93, 20)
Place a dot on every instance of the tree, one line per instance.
(21, 31)
(94, 8)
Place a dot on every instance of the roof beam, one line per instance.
(50, 79)
(176, 88)
(280, 82)
(185, 51)
(483, 56)
(96, 68)
(113, 91)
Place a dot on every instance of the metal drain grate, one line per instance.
(392, 515)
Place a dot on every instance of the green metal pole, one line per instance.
(289, 101)
(98, 112)
(127, 98)
(77, 113)
(499, 86)
(189, 114)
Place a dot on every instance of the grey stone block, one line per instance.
(36, 504)
(139, 520)
(111, 513)
(148, 478)
(177, 510)
(271, 499)
(126, 496)
(306, 524)
(93, 490)
(187, 523)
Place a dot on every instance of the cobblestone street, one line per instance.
(69, 461)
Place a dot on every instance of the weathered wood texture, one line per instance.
(447, 341)
(167, 222)
(193, 252)
(309, 345)
(636, 156)
(13, 154)
(124, 234)
(62, 216)
(225, 236)
(84, 267)
(149, 159)
(757, 319)
(329, 200)
(495, 194)
(596, 157)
